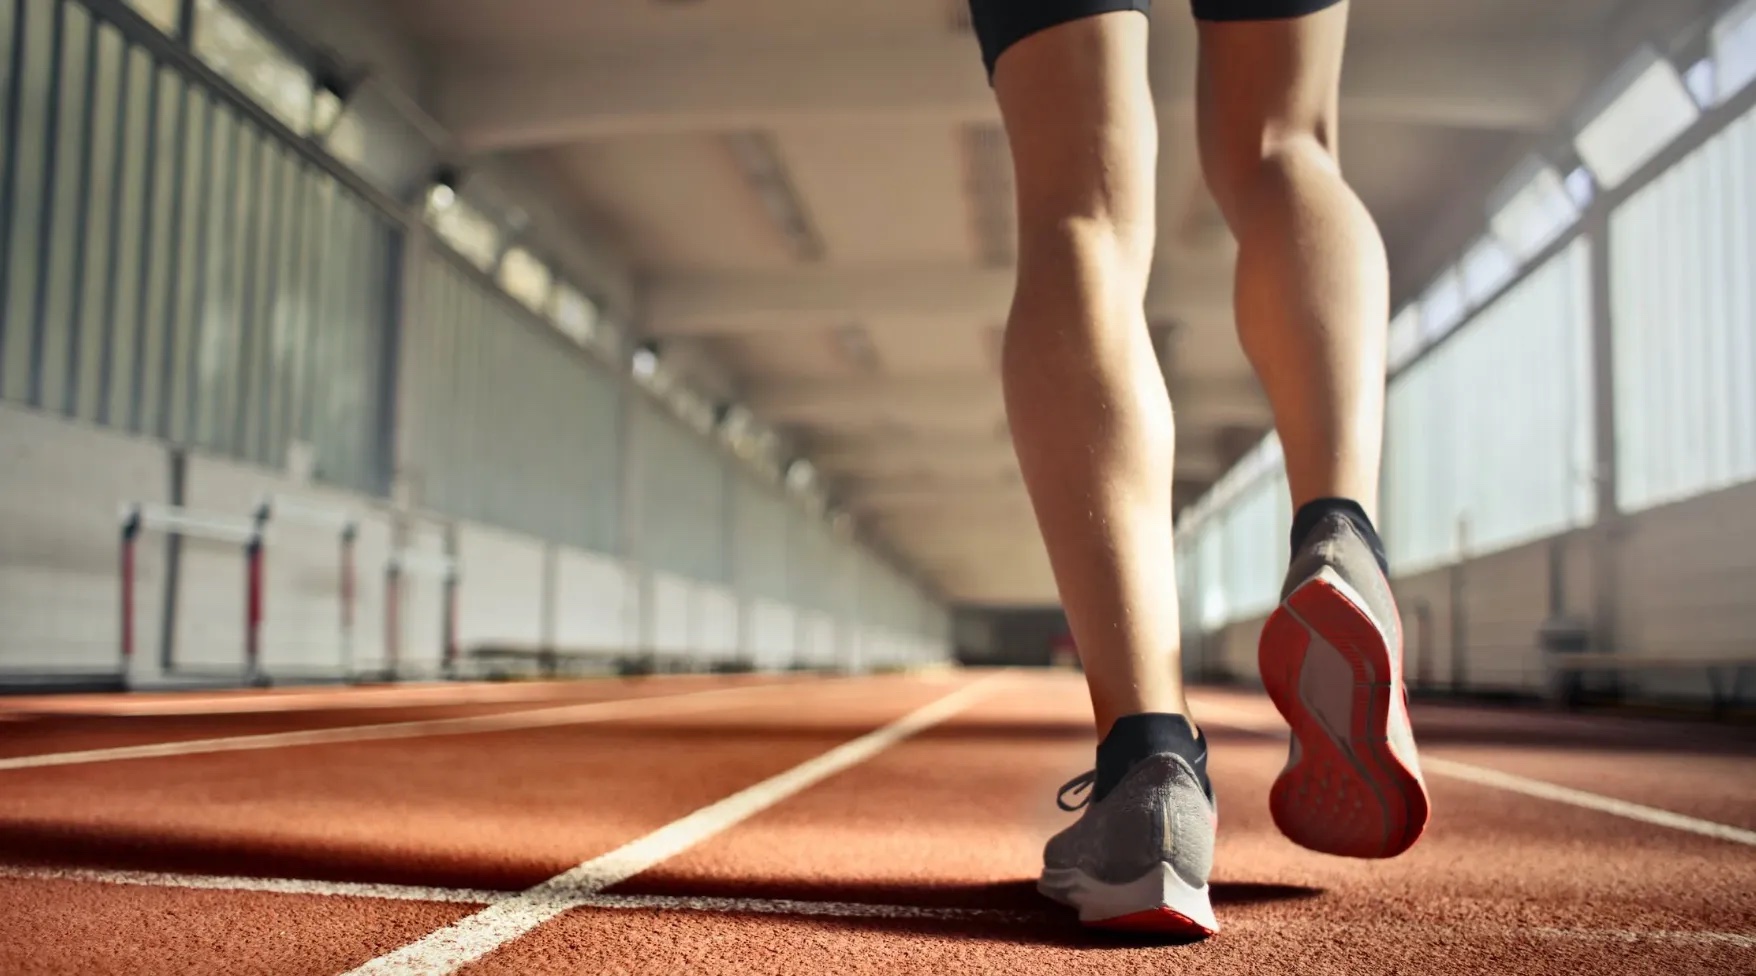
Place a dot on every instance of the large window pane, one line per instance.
(134, 174)
(1683, 305)
(1491, 433)
(93, 345)
(160, 264)
(60, 233)
(24, 197)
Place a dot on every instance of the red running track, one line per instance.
(164, 839)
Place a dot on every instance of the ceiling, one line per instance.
(815, 196)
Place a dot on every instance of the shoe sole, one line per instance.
(1330, 670)
(1157, 903)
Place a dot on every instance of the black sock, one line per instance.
(1313, 512)
(1134, 737)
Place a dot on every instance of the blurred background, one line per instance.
(406, 338)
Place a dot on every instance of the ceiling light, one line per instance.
(799, 474)
(443, 193)
(646, 360)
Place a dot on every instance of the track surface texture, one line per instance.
(888, 825)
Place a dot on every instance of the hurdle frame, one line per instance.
(180, 522)
(291, 509)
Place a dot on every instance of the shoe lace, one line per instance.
(1080, 787)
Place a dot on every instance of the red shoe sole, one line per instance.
(1158, 921)
(1354, 797)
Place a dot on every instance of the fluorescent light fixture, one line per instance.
(1734, 49)
(1643, 109)
(799, 474)
(1486, 267)
(645, 361)
(441, 197)
(1442, 306)
(1405, 337)
(1533, 208)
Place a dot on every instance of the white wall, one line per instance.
(500, 599)
(669, 619)
(591, 594)
(716, 623)
(420, 618)
(62, 486)
(773, 636)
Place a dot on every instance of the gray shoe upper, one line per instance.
(1336, 544)
(1157, 814)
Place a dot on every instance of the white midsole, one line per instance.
(1159, 888)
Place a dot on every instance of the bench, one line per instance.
(548, 660)
(1726, 676)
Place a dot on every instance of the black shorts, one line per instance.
(1000, 24)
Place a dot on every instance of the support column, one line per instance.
(630, 544)
(1607, 527)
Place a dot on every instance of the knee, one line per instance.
(1099, 247)
(1242, 171)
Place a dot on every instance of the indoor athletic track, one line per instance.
(769, 824)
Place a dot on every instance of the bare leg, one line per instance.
(1312, 308)
(1090, 416)
(1312, 284)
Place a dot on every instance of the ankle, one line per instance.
(1312, 513)
(1133, 738)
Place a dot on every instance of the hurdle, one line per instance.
(179, 522)
(408, 563)
(297, 511)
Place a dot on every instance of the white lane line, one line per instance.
(483, 896)
(407, 695)
(579, 714)
(1733, 939)
(456, 945)
(276, 886)
(1483, 776)
(795, 907)
(787, 906)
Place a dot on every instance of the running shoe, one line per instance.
(1331, 658)
(1138, 859)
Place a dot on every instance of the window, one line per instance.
(1734, 49)
(1487, 266)
(463, 227)
(233, 47)
(575, 315)
(1647, 111)
(1537, 208)
(162, 14)
(1683, 303)
(1494, 428)
(1702, 83)
(526, 278)
(1405, 337)
(1442, 307)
